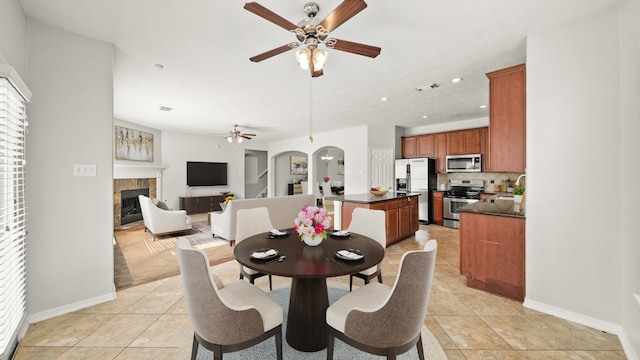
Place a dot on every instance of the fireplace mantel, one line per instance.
(134, 171)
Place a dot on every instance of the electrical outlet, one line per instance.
(84, 169)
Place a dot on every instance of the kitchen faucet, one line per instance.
(518, 179)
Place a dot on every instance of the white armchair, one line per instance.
(159, 221)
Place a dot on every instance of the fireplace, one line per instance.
(130, 205)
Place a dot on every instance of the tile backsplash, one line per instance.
(487, 177)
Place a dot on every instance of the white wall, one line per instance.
(630, 85)
(452, 126)
(13, 35)
(179, 148)
(69, 246)
(574, 136)
(352, 141)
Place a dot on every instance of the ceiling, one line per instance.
(208, 80)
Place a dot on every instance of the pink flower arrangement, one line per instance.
(326, 179)
(312, 221)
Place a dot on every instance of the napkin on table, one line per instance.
(263, 254)
(341, 233)
(349, 254)
(277, 232)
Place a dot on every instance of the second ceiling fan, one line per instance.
(312, 33)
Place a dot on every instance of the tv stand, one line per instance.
(202, 204)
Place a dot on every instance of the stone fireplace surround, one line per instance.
(134, 177)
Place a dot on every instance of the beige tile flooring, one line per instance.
(150, 321)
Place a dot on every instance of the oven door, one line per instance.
(452, 207)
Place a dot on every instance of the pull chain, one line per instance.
(311, 110)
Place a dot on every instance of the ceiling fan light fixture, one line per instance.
(303, 57)
(239, 139)
(319, 58)
(229, 139)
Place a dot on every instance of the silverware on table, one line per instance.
(278, 259)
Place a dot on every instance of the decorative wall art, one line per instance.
(299, 165)
(133, 144)
(341, 166)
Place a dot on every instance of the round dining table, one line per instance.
(308, 267)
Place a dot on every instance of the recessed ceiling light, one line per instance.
(159, 66)
(483, 106)
(456, 80)
(166, 108)
(384, 99)
(425, 116)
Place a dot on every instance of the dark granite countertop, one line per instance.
(368, 198)
(493, 207)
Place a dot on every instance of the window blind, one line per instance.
(13, 123)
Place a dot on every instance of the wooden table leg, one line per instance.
(306, 322)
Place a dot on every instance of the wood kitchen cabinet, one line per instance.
(492, 253)
(408, 222)
(425, 145)
(401, 216)
(409, 147)
(463, 142)
(507, 119)
(484, 149)
(201, 204)
(440, 148)
(438, 207)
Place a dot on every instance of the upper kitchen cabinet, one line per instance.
(426, 146)
(409, 147)
(440, 148)
(463, 142)
(418, 146)
(507, 119)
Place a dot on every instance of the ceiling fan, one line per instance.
(237, 135)
(311, 33)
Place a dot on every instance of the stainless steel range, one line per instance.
(461, 193)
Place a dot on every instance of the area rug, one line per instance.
(139, 259)
(266, 350)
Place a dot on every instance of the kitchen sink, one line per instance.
(502, 197)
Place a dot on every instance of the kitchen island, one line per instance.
(492, 247)
(401, 210)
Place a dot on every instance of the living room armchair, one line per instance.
(159, 221)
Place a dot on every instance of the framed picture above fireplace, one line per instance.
(133, 144)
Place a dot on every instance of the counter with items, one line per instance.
(495, 207)
(401, 211)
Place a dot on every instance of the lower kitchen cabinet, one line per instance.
(401, 216)
(492, 253)
(438, 209)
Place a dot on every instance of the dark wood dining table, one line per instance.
(308, 267)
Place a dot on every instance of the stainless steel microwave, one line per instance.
(464, 163)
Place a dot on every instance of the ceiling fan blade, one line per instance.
(344, 12)
(244, 136)
(353, 47)
(274, 52)
(269, 15)
(248, 134)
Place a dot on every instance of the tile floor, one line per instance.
(150, 321)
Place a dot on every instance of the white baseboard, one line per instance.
(582, 319)
(68, 308)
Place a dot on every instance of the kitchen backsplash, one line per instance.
(487, 177)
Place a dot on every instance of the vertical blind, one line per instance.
(13, 232)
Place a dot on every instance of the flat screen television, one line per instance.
(200, 173)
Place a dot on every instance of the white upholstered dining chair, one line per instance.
(384, 320)
(370, 223)
(225, 318)
(251, 222)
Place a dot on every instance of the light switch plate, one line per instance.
(84, 169)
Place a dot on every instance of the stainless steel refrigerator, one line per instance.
(418, 176)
